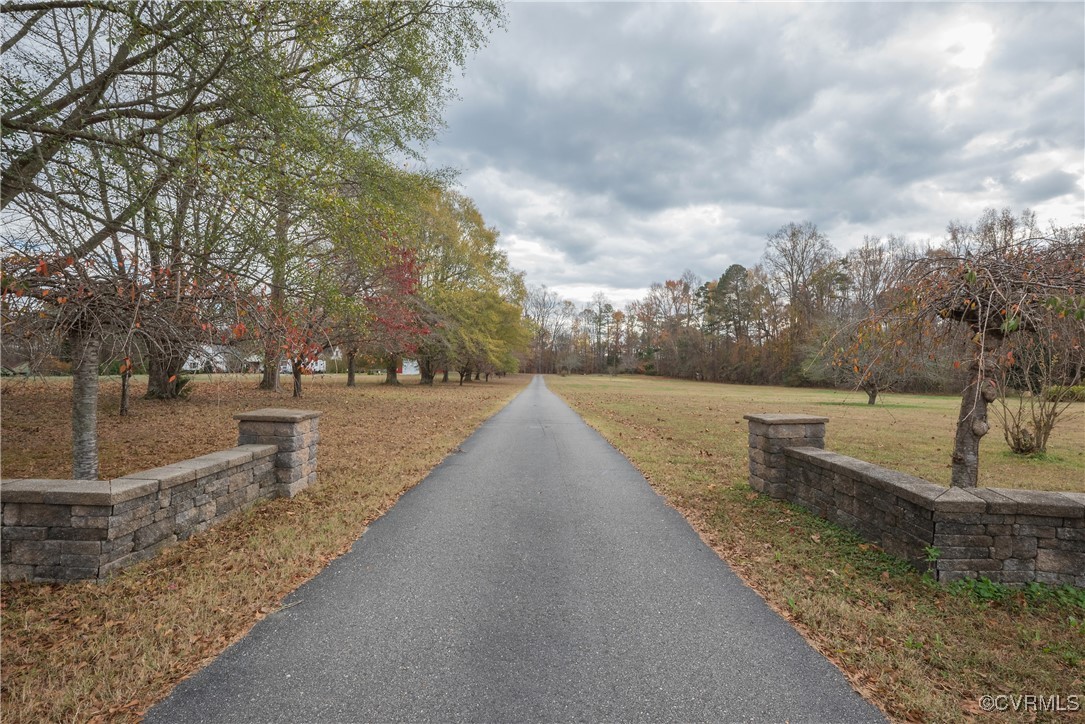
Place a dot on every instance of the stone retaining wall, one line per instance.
(1008, 536)
(66, 530)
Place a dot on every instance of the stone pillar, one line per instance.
(295, 433)
(770, 435)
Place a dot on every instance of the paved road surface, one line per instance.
(532, 577)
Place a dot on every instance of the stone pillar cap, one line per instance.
(277, 414)
(776, 418)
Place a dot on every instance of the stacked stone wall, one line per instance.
(1008, 536)
(295, 434)
(65, 530)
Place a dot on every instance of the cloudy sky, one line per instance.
(618, 144)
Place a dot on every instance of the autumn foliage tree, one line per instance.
(996, 308)
(1002, 290)
(396, 327)
(469, 296)
(74, 303)
(870, 346)
(144, 141)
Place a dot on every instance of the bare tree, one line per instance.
(1036, 383)
(793, 258)
(996, 291)
(541, 307)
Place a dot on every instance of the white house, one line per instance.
(208, 358)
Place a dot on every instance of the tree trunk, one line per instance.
(164, 374)
(86, 349)
(270, 380)
(871, 394)
(972, 425)
(425, 371)
(296, 369)
(444, 376)
(391, 376)
(351, 355)
(478, 376)
(126, 375)
(279, 257)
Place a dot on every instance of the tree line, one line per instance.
(996, 308)
(181, 174)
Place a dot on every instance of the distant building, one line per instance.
(206, 358)
(221, 358)
(316, 367)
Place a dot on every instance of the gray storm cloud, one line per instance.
(617, 144)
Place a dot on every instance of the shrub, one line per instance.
(1075, 393)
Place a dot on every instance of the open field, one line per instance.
(921, 652)
(89, 652)
(909, 433)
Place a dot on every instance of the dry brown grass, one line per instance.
(105, 652)
(909, 433)
(919, 651)
(90, 652)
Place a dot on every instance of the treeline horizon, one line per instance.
(795, 318)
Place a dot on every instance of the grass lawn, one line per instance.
(921, 652)
(90, 652)
(106, 652)
(909, 433)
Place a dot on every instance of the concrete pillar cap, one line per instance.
(774, 418)
(277, 414)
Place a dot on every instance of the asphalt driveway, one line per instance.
(533, 576)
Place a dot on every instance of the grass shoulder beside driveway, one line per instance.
(106, 652)
(920, 651)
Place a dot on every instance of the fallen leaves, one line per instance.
(105, 652)
(864, 610)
